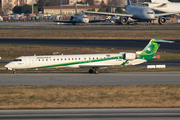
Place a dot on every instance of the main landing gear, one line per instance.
(14, 71)
(95, 71)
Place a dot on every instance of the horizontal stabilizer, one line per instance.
(159, 41)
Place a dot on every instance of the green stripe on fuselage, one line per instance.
(80, 62)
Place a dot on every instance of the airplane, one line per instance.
(91, 61)
(79, 19)
(136, 14)
(163, 5)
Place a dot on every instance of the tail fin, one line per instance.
(75, 8)
(128, 2)
(153, 46)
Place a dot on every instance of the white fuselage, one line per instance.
(165, 7)
(73, 61)
(80, 18)
(142, 13)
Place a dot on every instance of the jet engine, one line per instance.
(130, 56)
(162, 20)
(123, 20)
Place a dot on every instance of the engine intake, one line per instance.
(123, 20)
(162, 20)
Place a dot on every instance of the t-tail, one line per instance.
(128, 2)
(150, 50)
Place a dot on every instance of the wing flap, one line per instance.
(96, 66)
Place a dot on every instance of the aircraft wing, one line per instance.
(98, 20)
(96, 66)
(102, 66)
(110, 14)
(65, 21)
(164, 14)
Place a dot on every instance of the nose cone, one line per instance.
(85, 21)
(151, 16)
(8, 66)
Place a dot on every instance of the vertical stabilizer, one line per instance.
(128, 2)
(153, 46)
(75, 8)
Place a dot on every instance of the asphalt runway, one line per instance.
(123, 78)
(89, 114)
(128, 44)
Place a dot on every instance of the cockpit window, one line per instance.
(150, 13)
(17, 60)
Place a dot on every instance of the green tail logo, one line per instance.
(149, 51)
(151, 48)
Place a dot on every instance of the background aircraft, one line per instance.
(92, 61)
(79, 19)
(136, 14)
(163, 5)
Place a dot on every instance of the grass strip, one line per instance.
(90, 34)
(71, 96)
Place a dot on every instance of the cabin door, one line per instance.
(27, 62)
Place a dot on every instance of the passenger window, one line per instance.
(79, 58)
(75, 58)
(46, 59)
(54, 59)
(61, 59)
(57, 59)
(84, 58)
(39, 60)
(72, 58)
(68, 58)
(97, 57)
(65, 59)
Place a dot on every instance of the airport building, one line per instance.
(71, 2)
(66, 10)
(8, 5)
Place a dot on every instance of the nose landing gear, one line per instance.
(14, 71)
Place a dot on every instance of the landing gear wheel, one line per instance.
(91, 71)
(96, 72)
(14, 72)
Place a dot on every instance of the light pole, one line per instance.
(32, 7)
(60, 9)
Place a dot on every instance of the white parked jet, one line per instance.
(79, 19)
(92, 61)
(136, 14)
(163, 5)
